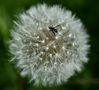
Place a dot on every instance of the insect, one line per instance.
(53, 29)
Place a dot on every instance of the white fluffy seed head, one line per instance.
(49, 44)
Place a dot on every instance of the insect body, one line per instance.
(53, 29)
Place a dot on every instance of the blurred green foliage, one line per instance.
(86, 10)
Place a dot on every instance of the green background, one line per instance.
(86, 10)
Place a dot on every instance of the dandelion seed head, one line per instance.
(48, 44)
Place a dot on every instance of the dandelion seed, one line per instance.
(37, 37)
(42, 53)
(48, 44)
(41, 59)
(43, 41)
(63, 27)
(47, 48)
(47, 38)
(56, 37)
(37, 44)
(70, 35)
(54, 46)
(63, 48)
(55, 63)
(50, 55)
(40, 28)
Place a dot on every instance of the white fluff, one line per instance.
(48, 57)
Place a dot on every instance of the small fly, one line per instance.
(53, 29)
